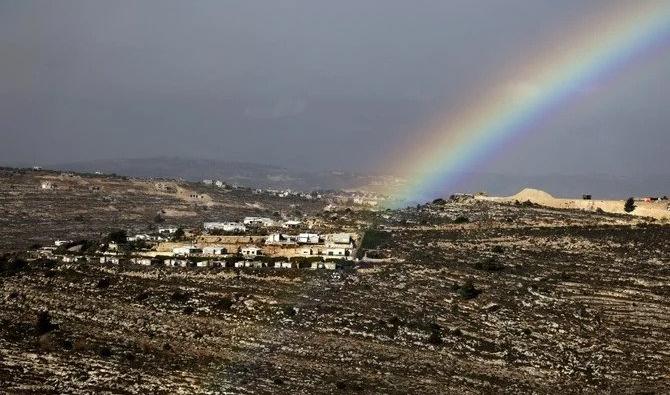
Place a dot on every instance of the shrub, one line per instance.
(142, 296)
(118, 236)
(179, 296)
(12, 265)
(178, 235)
(461, 220)
(224, 303)
(103, 283)
(498, 249)
(105, 352)
(629, 206)
(43, 323)
(435, 337)
(468, 290)
(290, 311)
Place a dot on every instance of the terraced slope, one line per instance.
(512, 299)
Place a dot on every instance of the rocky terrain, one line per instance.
(482, 297)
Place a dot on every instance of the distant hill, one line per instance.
(242, 173)
(268, 176)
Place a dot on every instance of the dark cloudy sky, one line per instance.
(304, 84)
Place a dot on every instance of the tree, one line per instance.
(629, 206)
(118, 236)
(179, 234)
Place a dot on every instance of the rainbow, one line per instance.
(458, 142)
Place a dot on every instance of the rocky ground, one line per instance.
(489, 298)
(88, 206)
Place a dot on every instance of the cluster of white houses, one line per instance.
(250, 222)
(184, 262)
(341, 245)
(235, 249)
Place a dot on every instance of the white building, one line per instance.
(59, 243)
(219, 184)
(109, 259)
(283, 265)
(207, 182)
(251, 251)
(139, 237)
(186, 250)
(278, 238)
(338, 239)
(324, 265)
(214, 250)
(168, 230)
(141, 261)
(176, 262)
(225, 226)
(259, 221)
(308, 238)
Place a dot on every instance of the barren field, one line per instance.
(483, 297)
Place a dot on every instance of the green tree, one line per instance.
(118, 236)
(629, 206)
(179, 235)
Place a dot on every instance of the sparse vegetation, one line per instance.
(468, 290)
(461, 220)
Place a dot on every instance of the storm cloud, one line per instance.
(304, 84)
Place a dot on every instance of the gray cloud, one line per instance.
(326, 84)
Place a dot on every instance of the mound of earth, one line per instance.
(534, 195)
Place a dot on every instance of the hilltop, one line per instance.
(659, 209)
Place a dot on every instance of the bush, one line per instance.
(105, 352)
(224, 304)
(435, 334)
(498, 249)
(43, 323)
(118, 236)
(179, 296)
(468, 290)
(12, 265)
(178, 235)
(629, 206)
(290, 311)
(461, 220)
(103, 283)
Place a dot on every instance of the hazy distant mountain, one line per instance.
(246, 174)
(267, 176)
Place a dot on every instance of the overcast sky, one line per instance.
(303, 84)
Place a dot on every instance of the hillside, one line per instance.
(658, 210)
